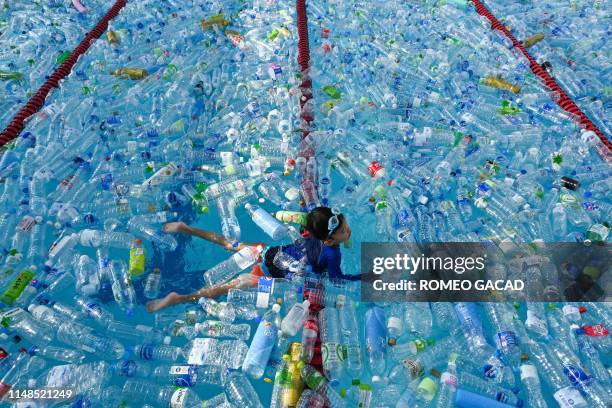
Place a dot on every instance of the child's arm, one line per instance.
(174, 227)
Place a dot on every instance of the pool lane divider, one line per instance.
(559, 95)
(37, 101)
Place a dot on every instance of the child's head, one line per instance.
(328, 225)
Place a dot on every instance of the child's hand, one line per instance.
(174, 227)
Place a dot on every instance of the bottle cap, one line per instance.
(300, 364)
(582, 309)
(276, 308)
(355, 381)
(428, 386)
(167, 340)
(342, 392)
(524, 357)
(376, 379)
(392, 342)
(435, 372)
(137, 241)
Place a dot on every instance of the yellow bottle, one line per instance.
(292, 391)
(131, 73)
(533, 40)
(137, 259)
(501, 84)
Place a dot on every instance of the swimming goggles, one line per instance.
(334, 221)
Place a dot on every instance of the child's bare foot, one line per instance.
(171, 298)
(174, 227)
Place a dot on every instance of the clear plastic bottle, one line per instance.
(311, 399)
(58, 353)
(122, 287)
(376, 334)
(310, 334)
(531, 383)
(153, 284)
(94, 310)
(418, 319)
(472, 383)
(82, 337)
(221, 310)
(146, 392)
(331, 346)
(165, 353)
(164, 241)
(114, 239)
(448, 384)
(227, 269)
(264, 220)
(214, 328)
(21, 322)
(295, 318)
(229, 222)
(262, 344)
(135, 334)
(240, 391)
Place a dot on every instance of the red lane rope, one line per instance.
(559, 95)
(37, 101)
(307, 115)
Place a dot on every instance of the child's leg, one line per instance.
(173, 298)
(181, 227)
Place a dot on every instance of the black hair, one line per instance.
(317, 221)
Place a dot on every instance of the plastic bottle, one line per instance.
(295, 318)
(143, 391)
(94, 310)
(240, 391)
(214, 328)
(266, 222)
(164, 241)
(318, 383)
(310, 334)
(57, 353)
(331, 348)
(122, 287)
(221, 310)
(262, 344)
(376, 342)
(531, 382)
(135, 333)
(229, 222)
(95, 238)
(19, 321)
(18, 285)
(137, 259)
(80, 336)
(311, 399)
(470, 382)
(350, 335)
(153, 284)
(227, 269)
(448, 384)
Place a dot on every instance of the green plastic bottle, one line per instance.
(18, 285)
(137, 259)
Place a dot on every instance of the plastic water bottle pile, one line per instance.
(568, 41)
(427, 128)
(35, 38)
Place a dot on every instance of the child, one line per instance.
(327, 229)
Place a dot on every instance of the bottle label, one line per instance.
(265, 287)
(414, 368)
(595, 330)
(394, 323)
(182, 376)
(374, 168)
(3, 353)
(332, 353)
(213, 329)
(244, 258)
(577, 376)
(199, 350)
(146, 352)
(178, 398)
(128, 368)
(569, 398)
(502, 397)
(529, 371)
(448, 378)
(506, 339)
